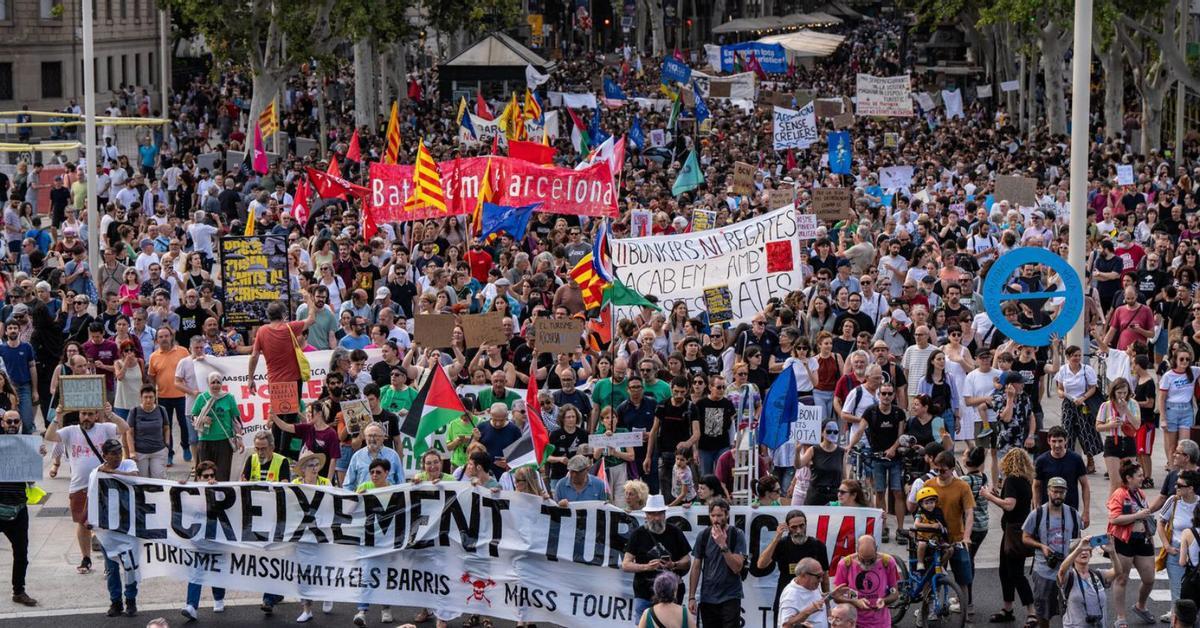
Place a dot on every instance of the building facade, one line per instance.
(41, 51)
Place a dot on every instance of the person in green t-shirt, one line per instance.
(378, 470)
(458, 436)
(655, 387)
(397, 395)
(431, 469)
(221, 427)
(610, 391)
(498, 392)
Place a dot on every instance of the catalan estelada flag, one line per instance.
(486, 195)
(427, 182)
(533, 110)
(268, 119)
(391, 151)
(590, 282)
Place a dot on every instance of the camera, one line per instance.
(1094, 620)
(1054, 560)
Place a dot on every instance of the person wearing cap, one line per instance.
(145, 258)
(1049, 530)
(579, 485)
(654, 547)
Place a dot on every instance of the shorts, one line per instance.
(1123, 447)
(1045, 597)
(888, 474)
(79, 506)
(1179, 415)
(343, 461)
(1145, 438)
(1135, 546)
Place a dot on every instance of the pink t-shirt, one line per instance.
(1124, 317)
(871, 585)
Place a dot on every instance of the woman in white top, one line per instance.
(1118, 420)
(1174, 521)
(1175, 392)
(337, 287)
(129, 380)
(1076, 383)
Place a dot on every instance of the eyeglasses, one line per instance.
(207, 476)
(831, 432)
(1179, 485)
(718, 387)
(843, 491)
(12, 421)
(886, 394)
(815, 574)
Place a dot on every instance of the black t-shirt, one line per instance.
(712, 360)
(191, 321)
(1017, 487)
(1070, 468)
(646, 546)
(365, 278)
(675, 424)
(567, 445)
(788, 555)
(1031, 373)
(403, 294)
(59, 199)
(1108, 287)
(922, 433)
(381, 373)
(715, 418)
(883, 428)
(696, 367)
(1149, 283)
(391, 420)
(894, 375)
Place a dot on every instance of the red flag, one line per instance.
(414, 90)
(481, 107)
(354, 153)
(495, 143)
(791, 159)
(259, 160)
(330, 186)
(533, 412)
(678, 55)
(370, 227)
(300, 205)
(532, 152)
(756, 67)
(334, 169)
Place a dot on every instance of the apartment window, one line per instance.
(52, 79)
(124, 9)
(108, 10)
(137, 10)
(152, 71)
(124, 69)
(50, 9)
(137, 69)
(6, 81)
(5, 10)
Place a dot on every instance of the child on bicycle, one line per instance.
(929, 523)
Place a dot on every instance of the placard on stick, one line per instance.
(743, 178)
(481, 329)
(81, 392)
(830, 204)
(356, 413)
(719, 303)
(1018, 190)
(558, 336)
(285, 397)
(434, 330)
(807, 428)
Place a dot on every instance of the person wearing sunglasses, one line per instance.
(206, 473)
(802, 601)
(827, 461)
(14, 518)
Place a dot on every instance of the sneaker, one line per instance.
(385, 616)
(1143, 615)
(170, 461)
(327, 607)
(115, 609)
(187, 455)
(360, 619)
(130, 608)
(304, 617)
(887, 537)
(902, 537)
(189, 613)
(24, 599)
(218, 606)
(955, 606)
(1166, 618)
(267, 609)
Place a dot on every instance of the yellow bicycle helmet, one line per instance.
(925, 493)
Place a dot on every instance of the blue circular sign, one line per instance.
(994, 295)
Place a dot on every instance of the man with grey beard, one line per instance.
(655, 547)
(790, 545)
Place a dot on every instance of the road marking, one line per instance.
(100, 610)
(1161, 595)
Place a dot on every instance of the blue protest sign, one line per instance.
(994, 295)
(771, 57)
(675, 71)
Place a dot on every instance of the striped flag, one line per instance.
(427, 183)
(486, 195)
(601, 258)
(391, 151)
(590, 282)
(533, 109)
(268, 119)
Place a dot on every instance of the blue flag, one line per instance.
(510, 220)
(595, 135)
(780, 410)
(675, 71)
(612, 91)
(636, 134)
(702, 112)
(840, 152)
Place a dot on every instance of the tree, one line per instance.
(1158, 63)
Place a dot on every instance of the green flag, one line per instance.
(618, 293)
(690, 177)
(673, 121)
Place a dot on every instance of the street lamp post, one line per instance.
(89, 120)
(1080, 101)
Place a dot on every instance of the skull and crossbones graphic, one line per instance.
(479, 588)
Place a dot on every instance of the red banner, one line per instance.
(587, 192)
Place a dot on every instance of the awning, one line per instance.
(806, 43)
(751, 24)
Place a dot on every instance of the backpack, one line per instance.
(1037, 528)
(704, 539)
(1064, 591)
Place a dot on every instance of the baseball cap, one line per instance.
(503, 282)
(382, 293)
(146, 242)
(1011, 377)
(1056, 482)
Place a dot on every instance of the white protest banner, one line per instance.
(1124, 174)
(487, 130)
(983, 91)
(20, 458)
(653, 104)
(895, 177)
(533, 128)
(808, 426)
(795, 129)
(740, 85)
(925, 100)
(884, 95)
(806, 226)
(448, 547)
(953, 102)
(1010, 86)
(617, 440)
(757, 258)
(576, 101)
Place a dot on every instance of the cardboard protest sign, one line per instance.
(831, 204)
(843, 121)
(743, 178)
(284, 396)
(356, 413)
(481, 329)
(720, 89)
(828, 107)
(1018, 190)
(434, 330)
(617, 440)
(808, 426)
(558, 336)
(717, 301)
(20, 458)
(891, 140)
(781, 197)
(884, 95)
(81, 392)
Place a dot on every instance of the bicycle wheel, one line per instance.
(904, 585)
(944, 606)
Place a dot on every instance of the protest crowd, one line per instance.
(925, 408)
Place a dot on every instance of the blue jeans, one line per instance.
(639, 607)
(1179, 415)
(888, 474)
(708, 460)
(364, 607)
(25, 394)
(1174, 572)
(825, 400)
(193, 594)
(174, 405)
(112, 577)
(270, 599)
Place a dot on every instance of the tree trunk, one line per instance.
(266, 85)
(1052, 68)
(323, 95)
(1113, 65)
(1152, 118)
(364, 82)
(658, 41)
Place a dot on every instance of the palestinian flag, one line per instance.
(436, 406)
(532, 447)
(579, 134)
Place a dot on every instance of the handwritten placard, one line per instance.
(843, 121)
(558, 335)
(828, 107)
(1018, 190)
(807, 428)
(743, 178)
(81, 392)
(884, 95)
(481, 329)
(356, 413)
(830, 204)
(1124, 174)
(806, 227)
(718, 301)
(285, 397)
(780, 197)
(20, 458)
(617, 440)
(434, 330)
(639, 223)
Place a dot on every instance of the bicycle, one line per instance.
(942, 601)
(861, 461)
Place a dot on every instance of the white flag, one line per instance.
(533, 78)
(953, 102)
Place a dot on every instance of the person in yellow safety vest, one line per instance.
(307, 471)
(277, 466)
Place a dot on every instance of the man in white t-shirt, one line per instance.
(977, 390)
(82, 443)
(202, 235)
(802, 602)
